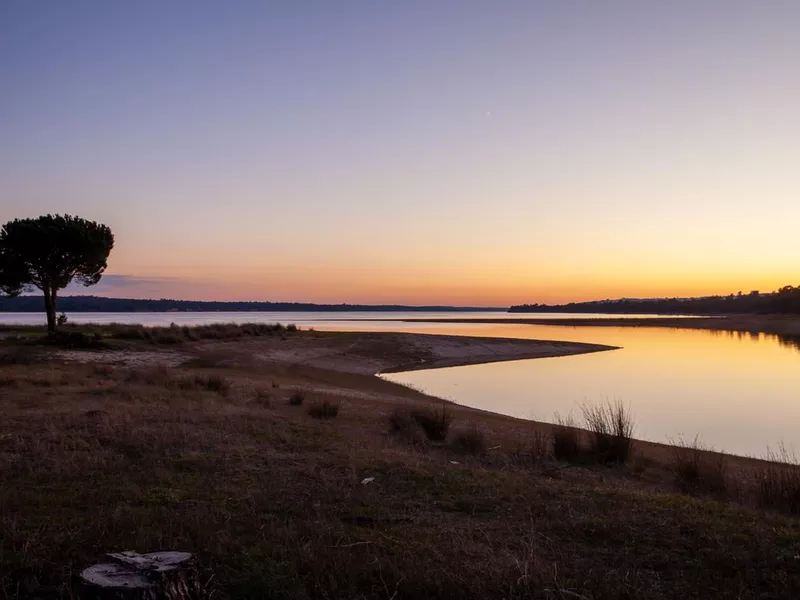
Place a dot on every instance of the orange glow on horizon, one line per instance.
(367, 288)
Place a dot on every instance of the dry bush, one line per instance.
(297, 398)
(541, 445)
(324, 410)
(20, 355)
(778, 482)
(158, 375)
(9, 381)
(263, 398)
(403, 425)
(610, 432)
(161, 376)
(213, 383)
(566, 439)
(102, 370)
(469, 441)
(434, 422)
(697, 470)
(177, 335)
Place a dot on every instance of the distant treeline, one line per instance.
(785, 300)
(98, 304)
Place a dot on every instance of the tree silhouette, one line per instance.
(48, 253)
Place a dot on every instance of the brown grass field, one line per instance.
(192, 444)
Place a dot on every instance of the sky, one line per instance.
(439, 151)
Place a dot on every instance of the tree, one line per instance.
(48, 253)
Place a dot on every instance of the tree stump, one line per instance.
(153, 576)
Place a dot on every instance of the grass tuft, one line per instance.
(403, 425)
(213, 383)
(178, 335)
(697, 470)
(434, 422)
(20, 355)
(566, 439)
(778, 482)
(469, 441)
(324, 410)
(610, 432)
(297, 398)
(263, 398)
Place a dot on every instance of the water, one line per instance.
(304, 318)
(740, 393)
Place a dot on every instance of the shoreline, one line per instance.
(768, 324)
(349, 364)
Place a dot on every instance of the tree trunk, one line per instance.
(50, 309)
(132, 576)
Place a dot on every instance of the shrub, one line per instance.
(697, 470)
(177, 335)
(263, 398)
(75, 340)
(297, 398)
(610, 432)
(540, 446)
(156, 376)
(469, 441)
(324, 410)
(214, 383)
(435, 423)
(778, 482)
(20, 355)
(566, 439)
(403, 425)
(102, 370)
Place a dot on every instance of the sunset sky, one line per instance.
(437, 151)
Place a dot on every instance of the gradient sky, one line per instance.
(419, 151)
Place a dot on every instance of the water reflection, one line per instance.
(738, 391)
(789, 341)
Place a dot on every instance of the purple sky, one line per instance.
(437, 151)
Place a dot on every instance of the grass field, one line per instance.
(210, 456)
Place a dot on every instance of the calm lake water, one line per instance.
(740, 393)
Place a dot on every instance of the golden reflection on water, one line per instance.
(739, 392)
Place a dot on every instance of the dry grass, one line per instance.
(20, 355)
(606, 437)
(324, 410)
(297, 398)
(181, 334)
(263, 398)
(566, 439)
(435, 422)
(610, 427)
(215, 383)
(698, 470)
(112, 458)
(403, 426)
(469, 441)
(778, 482)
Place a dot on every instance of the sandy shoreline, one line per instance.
(372, 353)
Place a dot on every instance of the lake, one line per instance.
(738, 392)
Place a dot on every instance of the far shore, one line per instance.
(771, 324)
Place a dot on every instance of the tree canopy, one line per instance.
(49, 252)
